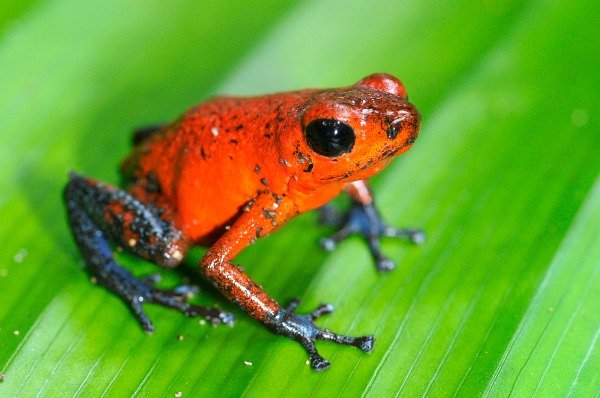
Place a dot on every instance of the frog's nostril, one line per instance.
(407, 122)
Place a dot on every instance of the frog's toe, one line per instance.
(319, 363)
(177, 299)
(135, 303)
(214, 315)
(415, 235)
(329, 243)
(385, 264)
(321, 310)
(381, 261)
(364, 343)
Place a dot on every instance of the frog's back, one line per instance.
(204, 167)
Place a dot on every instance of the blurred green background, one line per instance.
(503, 299)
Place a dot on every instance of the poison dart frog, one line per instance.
(232, 170)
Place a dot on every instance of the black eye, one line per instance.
(329, 137)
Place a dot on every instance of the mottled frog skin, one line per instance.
(232, 170)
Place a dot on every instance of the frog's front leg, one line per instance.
(100, 214)
(363, 218)
(261, 217)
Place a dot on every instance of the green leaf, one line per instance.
(502, 299)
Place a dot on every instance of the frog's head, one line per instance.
(352, 133)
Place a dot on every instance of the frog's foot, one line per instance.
(137, 292)
(301, 327)
(364, 219)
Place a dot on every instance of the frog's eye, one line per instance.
(329, 137)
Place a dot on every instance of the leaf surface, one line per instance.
(503, 297)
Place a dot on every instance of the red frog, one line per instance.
(232, 170)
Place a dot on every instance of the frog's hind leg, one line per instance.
(100, 214)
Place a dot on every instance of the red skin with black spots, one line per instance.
(232, 170)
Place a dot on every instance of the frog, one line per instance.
(232, 170)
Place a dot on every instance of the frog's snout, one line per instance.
(407, 122)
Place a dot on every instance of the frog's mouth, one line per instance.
(378, 163)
